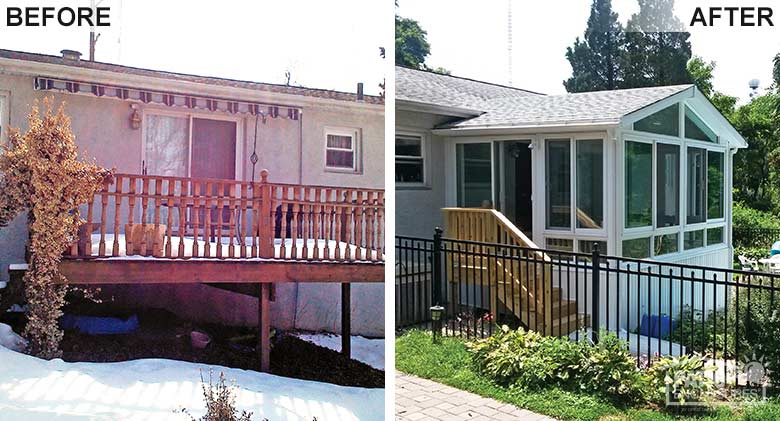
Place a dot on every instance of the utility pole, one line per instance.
(93, 38)
(509, 37)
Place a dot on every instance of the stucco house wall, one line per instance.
(293, 152)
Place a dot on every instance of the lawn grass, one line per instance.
(449, 363)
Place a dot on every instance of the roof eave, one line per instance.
(36, 68)
(439, 109)
(597, 125)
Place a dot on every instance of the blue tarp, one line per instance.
(99, 325)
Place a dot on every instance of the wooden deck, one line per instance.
(144, 229)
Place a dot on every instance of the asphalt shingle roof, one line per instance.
(504, 106)
(450, 91)
(259, 86)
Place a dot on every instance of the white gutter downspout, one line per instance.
(300, 149)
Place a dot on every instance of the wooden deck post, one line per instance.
(346, 322)
(264, 324)
(266, 223)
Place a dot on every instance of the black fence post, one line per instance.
(596, 291)
(437, 284)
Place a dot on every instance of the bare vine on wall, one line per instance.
(41, 174)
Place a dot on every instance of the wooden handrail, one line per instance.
(489, 226)
(191, 218)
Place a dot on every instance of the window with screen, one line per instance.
(409, 159)
(341, 150)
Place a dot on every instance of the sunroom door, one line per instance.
(474, 168)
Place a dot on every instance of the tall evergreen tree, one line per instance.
(776, 72)
(595, 60)
(658, 48)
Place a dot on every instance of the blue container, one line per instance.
(656, 326)
(99, 325)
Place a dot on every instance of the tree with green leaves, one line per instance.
(411, 43)
(657, 47)
(776, 72)
(756, 174)
(595, 60)
(701, 73)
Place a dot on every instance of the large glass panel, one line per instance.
(666, 121)
(715, 236)
(696, 129)
(693, 239)
(638, 248)
(639, 184)
(665, 244)
(167, 145)
(590, 183)
(667, 185)
(714, 185)
(473, 181)
(558, 184)
(697, 188)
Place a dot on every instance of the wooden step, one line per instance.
(560, 326)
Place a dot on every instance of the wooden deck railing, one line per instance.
(190, 218)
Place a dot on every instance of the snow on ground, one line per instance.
(152, 389)
(369, 351)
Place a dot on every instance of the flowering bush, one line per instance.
(42, 175)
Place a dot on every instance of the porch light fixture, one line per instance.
(135, 118)
(436, 312)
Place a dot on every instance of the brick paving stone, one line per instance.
(418, 399)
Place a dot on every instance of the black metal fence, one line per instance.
(657, 308)
(755, 237)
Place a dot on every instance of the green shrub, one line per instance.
(686, 376)
(609, 368)
(745, 217)
(524, 359)
(769, 348)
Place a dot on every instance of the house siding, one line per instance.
(103, 133)
(418, 209)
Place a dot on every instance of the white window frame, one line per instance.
(630, 135)
(355, 149)
(423, 156)
(239, 169)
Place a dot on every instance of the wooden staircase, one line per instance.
(520, 279)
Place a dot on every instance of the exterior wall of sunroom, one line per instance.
(674, 186)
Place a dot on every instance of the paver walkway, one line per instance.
(420, 399)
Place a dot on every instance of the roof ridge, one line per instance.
(9, 54)
(470, 79)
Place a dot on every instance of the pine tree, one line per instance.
(595, 60)
(658, 48)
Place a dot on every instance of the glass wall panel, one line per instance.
(696, 129)
(665, 244)
(715, 182)
(667, 185)
(715, 236)
(693, 239)
(639, 184)
(473, 181)
(590, 184)
(696, 189)
(586, 246)
(558, 175)
(638, 248)
(560, 244)
(666, 121)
